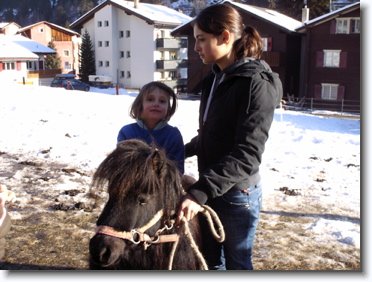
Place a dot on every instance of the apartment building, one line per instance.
(133, 43)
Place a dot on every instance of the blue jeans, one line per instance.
(239, 213)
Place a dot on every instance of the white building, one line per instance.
(20, 56)
(132, 42)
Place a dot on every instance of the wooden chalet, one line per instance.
(330, 65)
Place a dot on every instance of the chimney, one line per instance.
(305, 13)
(136, 3)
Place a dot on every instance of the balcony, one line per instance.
(167, 64)
(171, 43)
(176, 84)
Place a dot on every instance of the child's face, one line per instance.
(155, 107)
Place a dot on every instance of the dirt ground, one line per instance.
(55, 211)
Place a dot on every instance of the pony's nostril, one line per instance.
(105, 255)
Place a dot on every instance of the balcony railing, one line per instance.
(43, 73)
(167, 64)
(175, 83)
(171, 43)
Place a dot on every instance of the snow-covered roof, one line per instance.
(11, 50)
(66, 30)
(31, 45)
(152, 13)
(4, 24)
(329, 16)
(273, 16)
(286, 23)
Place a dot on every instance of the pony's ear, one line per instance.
(157, 161)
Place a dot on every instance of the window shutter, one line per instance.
(1, 66)
(317, 91)
(19, 66)
(333, 27)
(319, 59)
(340, 92)
(343, 59)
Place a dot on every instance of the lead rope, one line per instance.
(219, 235)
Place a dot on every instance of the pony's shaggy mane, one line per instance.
(134, 163)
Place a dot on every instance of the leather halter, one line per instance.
(138, 235)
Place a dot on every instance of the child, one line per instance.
(152, 109)
(5, 195)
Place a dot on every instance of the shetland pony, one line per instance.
(136, 229)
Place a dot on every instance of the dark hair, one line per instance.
(137, 107)
(219, 17)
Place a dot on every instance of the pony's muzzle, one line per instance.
(105, 251)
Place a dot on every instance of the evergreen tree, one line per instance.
(52, 61)
(87, 60)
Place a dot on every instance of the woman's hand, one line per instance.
(188, 208)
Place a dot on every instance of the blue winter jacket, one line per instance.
(164, 136)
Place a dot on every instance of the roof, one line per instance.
(4, 24)
(31, 45)
(329, 16)
(63, 29)
(11, 50)
(279, 19)
(282, 21)
(151, 13)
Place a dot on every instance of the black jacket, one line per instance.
(230, 143)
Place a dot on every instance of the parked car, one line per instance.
(59, 78)
(74, 84)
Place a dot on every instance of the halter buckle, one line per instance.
(136, 237)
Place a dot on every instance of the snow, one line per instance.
(157, 13)
(80, 128)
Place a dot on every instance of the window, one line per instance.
(41, 29)
(67, 66)
(121, 33)
(342, 26)
(173, 55)
(122, 74)
(329, 91)
(127, 33)
(9, 66)
(107, 64)
(331, 58)
(128, 54)
(355, 25)
(347, 25)
(121, 54)
(107, 43)
(99, 24)
(66, 53)
(267, 44)
(99, 43)
(172, 74)
(128, 74)
(30, 65)
(106, 23)
(100, 63)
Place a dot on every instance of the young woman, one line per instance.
(153, 107)
(236, 111)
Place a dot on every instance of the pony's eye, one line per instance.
(142, 201)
